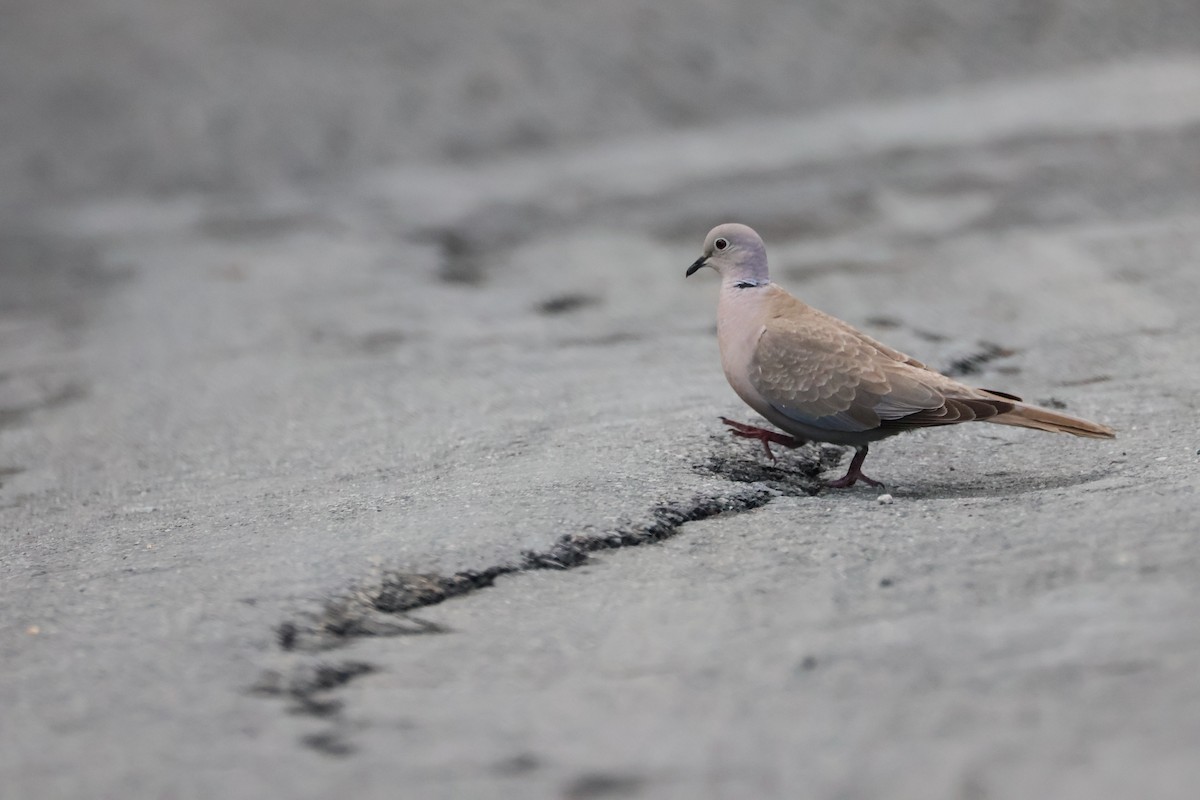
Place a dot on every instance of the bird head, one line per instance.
(736, 252)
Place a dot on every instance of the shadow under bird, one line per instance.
(820, 379)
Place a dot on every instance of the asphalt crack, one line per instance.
(795, 473)
(382, 604)
(973, 363)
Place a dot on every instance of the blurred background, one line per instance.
(295, 295)
(128, 96)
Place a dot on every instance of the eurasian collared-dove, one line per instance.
(819, 379)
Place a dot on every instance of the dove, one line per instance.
(819, 379)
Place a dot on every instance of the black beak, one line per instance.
(697, 264)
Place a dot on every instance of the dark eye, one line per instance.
(720, 244)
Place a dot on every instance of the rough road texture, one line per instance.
(415, 486)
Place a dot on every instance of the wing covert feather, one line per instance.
(832, 377)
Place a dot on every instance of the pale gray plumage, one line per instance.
(818, 378)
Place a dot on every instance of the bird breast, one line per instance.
(739, 325)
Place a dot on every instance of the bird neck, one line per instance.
(748, 283)
(739, 298)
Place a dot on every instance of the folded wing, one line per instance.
(822, 373)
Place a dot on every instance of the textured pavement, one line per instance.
(414, 485)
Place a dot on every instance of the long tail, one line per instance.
(1043, 419)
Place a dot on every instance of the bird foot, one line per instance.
(763, 435)
(851, 478)
(855, 473)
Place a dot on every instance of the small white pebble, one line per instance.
(1161, 458)
(884, 499)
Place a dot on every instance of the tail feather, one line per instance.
(1043, 419)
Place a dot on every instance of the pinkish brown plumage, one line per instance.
(819, 379)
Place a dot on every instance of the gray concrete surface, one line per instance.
(180, 95)
(249, 440)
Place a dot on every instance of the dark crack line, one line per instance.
(382, 606)
(973, 363)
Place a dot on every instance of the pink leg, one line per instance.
(855, 474)
(763, 435)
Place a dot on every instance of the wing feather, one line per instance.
(832, 377)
